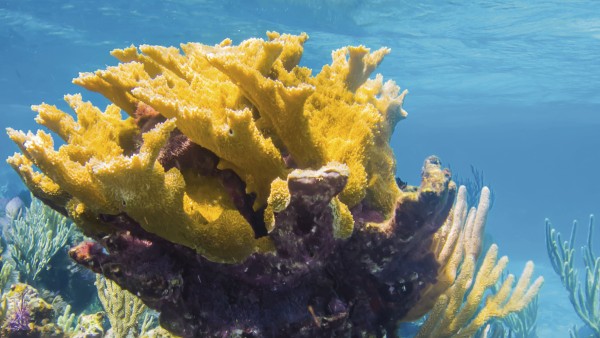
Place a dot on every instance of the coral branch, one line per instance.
(583, 298)
(43, 226)
(122, 308)
(463, 308)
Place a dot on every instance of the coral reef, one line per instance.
(90, 326)
(461, 305)
(43, 226)
(27, 315)
(122, 308)
(522, 323)
(518, 324)
(271, 294)
(583, 298)
(243, 196)
(5, 271)
(65, 321)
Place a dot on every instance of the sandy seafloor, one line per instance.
(511, 87)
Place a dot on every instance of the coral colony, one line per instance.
(245, 196)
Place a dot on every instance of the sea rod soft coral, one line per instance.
(242, 195)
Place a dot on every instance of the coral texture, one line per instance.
(43, 226)
(122, 308)
(90, 326)
(243, 195)
(27, 314)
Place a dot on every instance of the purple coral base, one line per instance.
(315, 285)
(20, 318)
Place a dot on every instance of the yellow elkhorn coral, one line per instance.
(251, 105)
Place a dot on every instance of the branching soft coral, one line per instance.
(462, 303)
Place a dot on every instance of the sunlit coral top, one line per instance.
(251, 105)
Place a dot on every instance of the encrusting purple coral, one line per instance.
(27, 315)
(314, 286)
(18, 323)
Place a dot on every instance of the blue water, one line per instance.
(511, 87)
